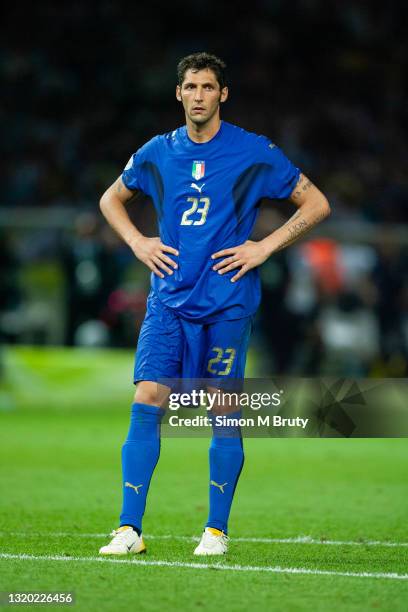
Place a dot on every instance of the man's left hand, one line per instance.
(245, 256)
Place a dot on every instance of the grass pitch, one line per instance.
(64, 415)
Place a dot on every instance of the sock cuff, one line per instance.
(218, 525)
(138, 408)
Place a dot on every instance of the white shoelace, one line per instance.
(119, 536)
(212, 538)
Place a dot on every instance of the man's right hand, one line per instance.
(152, 252)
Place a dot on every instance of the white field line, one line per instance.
(216, 566)
(295, 540)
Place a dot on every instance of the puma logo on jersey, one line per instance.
(195, 186)
(220, 487)
(128, 484)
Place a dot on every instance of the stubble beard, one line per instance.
(202, 121)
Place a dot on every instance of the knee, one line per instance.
(150, 393)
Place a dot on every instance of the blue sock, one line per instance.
(226, 456)
(140, 454)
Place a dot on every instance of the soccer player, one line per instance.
(206, 180)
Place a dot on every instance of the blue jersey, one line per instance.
(207, 199)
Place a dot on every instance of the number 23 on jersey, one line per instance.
(197, 213)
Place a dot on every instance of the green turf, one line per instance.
(64, 417)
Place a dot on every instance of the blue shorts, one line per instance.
(171, 347)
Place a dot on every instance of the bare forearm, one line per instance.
(305, 218)
(313, 207)
(116, 215)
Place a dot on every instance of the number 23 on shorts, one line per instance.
(223, 356)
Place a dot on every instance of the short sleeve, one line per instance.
(283, 176)
(134, 175)
(131, 175)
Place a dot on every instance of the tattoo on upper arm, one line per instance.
(302, 186)
(118, 185)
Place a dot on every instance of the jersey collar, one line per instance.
(187, 140)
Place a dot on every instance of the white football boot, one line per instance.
(213, 542)
(125, 541)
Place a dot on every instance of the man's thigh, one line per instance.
(160, 346)
(227, 346)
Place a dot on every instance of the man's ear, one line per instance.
(224, 94)
(178, 93)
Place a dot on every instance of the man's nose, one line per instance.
(198, 94)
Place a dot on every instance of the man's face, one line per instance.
(201, 95)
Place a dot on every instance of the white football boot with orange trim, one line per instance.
(213, 542)
(125, 541)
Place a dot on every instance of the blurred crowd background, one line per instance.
(85, 84)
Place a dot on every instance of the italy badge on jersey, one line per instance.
(198, 170)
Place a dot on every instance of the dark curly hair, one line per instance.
(200, 61)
